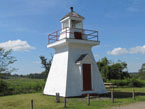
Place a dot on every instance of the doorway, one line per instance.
(78, 35)
(87, 84)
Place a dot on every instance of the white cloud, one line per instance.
(117, 51)
(134, 50)
(16, 45)
(137, 50)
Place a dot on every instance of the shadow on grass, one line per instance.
(108, 95)
(116, 95)
(122, 94)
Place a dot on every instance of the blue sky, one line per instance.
(25, 24)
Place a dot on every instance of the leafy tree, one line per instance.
(117, 71)
(142, 68)
(45, 64)
(142, 71)
(104, 67)
(5, 61)
(112, 71)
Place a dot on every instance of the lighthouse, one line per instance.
(73, 71)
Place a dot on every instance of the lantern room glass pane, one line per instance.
(65, 24)
(76, 24)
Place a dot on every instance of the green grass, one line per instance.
(22, 101)
(24, 85)
(125, 89)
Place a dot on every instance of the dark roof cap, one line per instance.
(72, 14)
(71, 9)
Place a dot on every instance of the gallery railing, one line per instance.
(90, 34)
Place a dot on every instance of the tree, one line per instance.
(104, 67)
(142, 68)
(5, 61)
(45, 64)
(117, 71)
(142, 71)
(112, 71)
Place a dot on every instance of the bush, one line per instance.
(136, 83)
(120, 82)
(21, 85)
(129, 82)
(3, 87)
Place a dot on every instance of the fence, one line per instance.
(88, 99)
(91, 34)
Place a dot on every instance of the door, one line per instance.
(87, 84)
(78, 35)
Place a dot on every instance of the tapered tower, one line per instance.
(74, 70)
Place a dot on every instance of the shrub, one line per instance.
(120, 82)
(129, 82)
(21, 85)
(3, 87)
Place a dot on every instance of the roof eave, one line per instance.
(69, 15)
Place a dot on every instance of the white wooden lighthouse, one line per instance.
(74, 70)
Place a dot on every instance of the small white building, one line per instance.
(74, 71)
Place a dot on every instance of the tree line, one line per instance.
(115, 73)
(107, 68)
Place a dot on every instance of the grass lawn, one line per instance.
(22, 101)
(24, 85)
(125, 89)
(24, 82)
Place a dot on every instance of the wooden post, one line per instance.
(133, 94)
(31, 103)
(88, 99)
(57, 98)
(113, 87)
(112, 96)
(98, 96)
(64, 102)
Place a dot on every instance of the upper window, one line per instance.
(76, 24)
(65, 24)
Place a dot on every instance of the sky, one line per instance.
(25, 24)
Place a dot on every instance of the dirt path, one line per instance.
(139, 105)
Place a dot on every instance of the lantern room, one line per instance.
(72, 20)
(72, 28)
(72, 23)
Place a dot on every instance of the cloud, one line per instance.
(16, 45)
(117, 51)
(135, 6)
(121, 51)
(137, 50)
